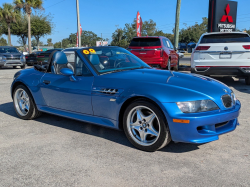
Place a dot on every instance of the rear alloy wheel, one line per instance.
(145, 126)
(23, 67)
(247, 80)
(24, 104)
(169, 64)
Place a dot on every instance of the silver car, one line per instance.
(11, 57)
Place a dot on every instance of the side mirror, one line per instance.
(68, 72)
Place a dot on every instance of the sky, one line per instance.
(104, 16)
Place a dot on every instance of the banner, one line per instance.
(138, 24)
(77, 36)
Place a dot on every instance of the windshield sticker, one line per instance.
(92, 51)
(86, 52)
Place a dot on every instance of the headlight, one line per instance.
(197, 106)
(1, 58)
(233, 97)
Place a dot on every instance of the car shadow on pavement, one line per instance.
(94, 130)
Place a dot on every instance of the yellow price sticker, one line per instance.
(92, 51)
(86, 52)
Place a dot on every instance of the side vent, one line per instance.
(109, 91)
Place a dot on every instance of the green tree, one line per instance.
(89, 38)
(122, 37)
(20, 29)
(193, 33)
(27, 6)
(3, 42)
(57, 45)
(40, 26)
(49, 42)
(8, 14)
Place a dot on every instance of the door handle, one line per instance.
(46, 82)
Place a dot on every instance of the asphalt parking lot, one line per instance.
(55, 151)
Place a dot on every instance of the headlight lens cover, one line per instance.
(197, 106)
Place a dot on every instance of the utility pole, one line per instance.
(78, 23)
(177, 22)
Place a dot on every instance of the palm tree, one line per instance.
(9, 15)
(27, 6)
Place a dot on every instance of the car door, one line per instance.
(172, 54)
(166, 54)
(64, 93)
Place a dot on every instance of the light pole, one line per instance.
(78, 23)
(177, 20)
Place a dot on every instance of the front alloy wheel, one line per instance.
(145, 126)
(24, 104)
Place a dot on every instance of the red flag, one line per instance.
(77, 35)
(138, 24)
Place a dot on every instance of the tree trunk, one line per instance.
(24, 43)
(9, 37)
(29, 34)
(37, 40)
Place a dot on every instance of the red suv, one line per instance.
(156, 51)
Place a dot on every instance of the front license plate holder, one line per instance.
(225, 55)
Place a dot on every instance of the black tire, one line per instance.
(247, 80)
(33, 111)
(23, 67)
(176, 68)
(14, 67)
(169, 64)
(163, 137)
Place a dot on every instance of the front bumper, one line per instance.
(221, 71)
(203, 127)
(8, 63)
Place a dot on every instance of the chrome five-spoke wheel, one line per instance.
(143, 125)
(146, 126)
(22, 102)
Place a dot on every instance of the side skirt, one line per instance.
(80, 117)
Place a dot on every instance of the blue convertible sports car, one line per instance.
(111, 87)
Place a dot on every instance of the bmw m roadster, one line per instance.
(111, 87)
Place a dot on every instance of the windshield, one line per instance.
(8, 50)
(225, 38)
(112, 59)
(145, 42)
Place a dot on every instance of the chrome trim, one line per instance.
(222, 52)
(202, 71)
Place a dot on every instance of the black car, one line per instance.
(42, 58)
(31, 58)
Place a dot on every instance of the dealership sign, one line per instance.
(222, 16)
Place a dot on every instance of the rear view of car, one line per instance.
(155, 51)
(222, 54)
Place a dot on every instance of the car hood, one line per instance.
(147, 75)
(172, 85)
(10, 54)
(199, 83)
